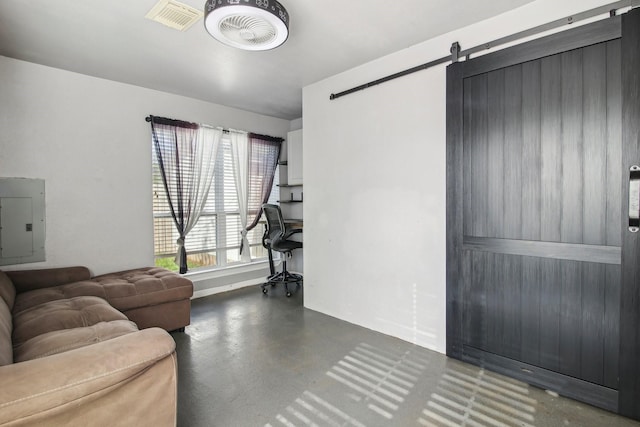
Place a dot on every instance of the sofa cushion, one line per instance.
(125, 290)
(70, 313)
(27, 300)
(60, 341)
(7, 290)
(28, 280)
(6, 352)
(7, 297)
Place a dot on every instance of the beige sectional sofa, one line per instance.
(82, 350)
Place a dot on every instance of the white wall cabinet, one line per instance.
(294, 157)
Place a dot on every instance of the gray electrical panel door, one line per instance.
(17, 228)
(21, 220)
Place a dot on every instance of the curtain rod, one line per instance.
(177, 123)
(181, 123)
(266, 137)
(455, 47)
(171, 122)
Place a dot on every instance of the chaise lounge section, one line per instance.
(82, 350)
(149, 296)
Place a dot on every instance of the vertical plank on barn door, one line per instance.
(629, 385)
(530, 167)
(595, 160)
(512, 208)
(550, 209)
(614, 186)
(493, 208)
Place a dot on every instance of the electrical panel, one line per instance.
(22, 220)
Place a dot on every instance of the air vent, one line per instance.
(174, 14)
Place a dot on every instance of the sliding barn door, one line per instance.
(539, 253)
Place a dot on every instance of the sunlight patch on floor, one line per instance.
(475, 397)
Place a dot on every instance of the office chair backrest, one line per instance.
(275, 222)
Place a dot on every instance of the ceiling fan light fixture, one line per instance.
(247, 24)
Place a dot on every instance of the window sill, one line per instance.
(213, 281)
(213, 273)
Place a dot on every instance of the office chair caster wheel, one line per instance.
(264, 291)
(288, 294)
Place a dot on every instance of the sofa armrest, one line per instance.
(28, 280)
(128, 376)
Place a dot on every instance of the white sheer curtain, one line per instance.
(186, 154)
(205, 150)
(240, 155)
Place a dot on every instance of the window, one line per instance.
(214, 241)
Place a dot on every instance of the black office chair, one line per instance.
(276, 238)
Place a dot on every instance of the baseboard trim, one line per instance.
(226, 288)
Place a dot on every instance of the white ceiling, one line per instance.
(111, 39)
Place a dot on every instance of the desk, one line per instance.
(293, 222)
(288, 222)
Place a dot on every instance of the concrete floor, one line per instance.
(254, 360)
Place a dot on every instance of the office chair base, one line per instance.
(283, 277)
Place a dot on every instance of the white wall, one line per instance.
(374, 176)
(88, 139)
(295, 124)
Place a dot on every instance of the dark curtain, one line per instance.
(264, 152)
(174, 142)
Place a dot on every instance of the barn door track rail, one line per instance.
(456, 53)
